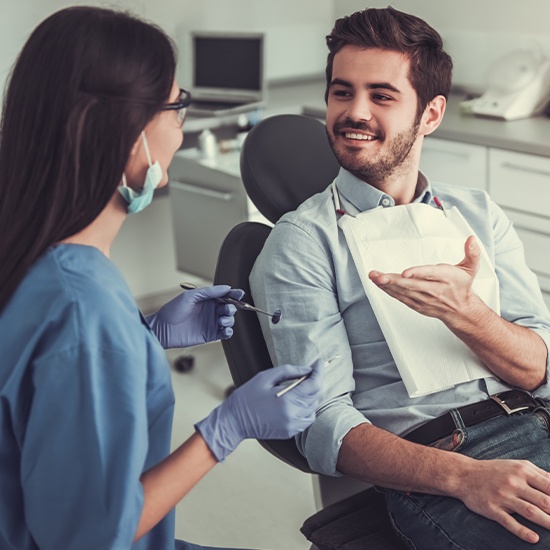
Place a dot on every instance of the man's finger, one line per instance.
(516, 528)
(472, 253)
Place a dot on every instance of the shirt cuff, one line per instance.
(321, 443)
(544, 390)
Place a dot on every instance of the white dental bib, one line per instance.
(429, 357)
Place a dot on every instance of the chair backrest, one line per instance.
(285, 159)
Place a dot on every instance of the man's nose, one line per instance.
(359, 108)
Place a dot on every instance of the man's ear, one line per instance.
(433, 115)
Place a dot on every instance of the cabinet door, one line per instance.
(207, 201)
(520, 181)
(454, 162)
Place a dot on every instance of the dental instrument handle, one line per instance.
(294, 383)
(275, 317)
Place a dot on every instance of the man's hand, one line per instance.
(497, 489)
(442, 291)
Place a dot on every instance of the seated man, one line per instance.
(460, 469)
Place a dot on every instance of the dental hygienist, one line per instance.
(92, 118)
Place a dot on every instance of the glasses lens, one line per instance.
(181, 115)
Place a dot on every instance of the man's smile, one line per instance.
(359, 137)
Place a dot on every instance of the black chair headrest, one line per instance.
(286, 159)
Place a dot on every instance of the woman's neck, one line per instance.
(102, 231)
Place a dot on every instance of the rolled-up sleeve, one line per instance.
(294, 273)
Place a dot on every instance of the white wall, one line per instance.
(476, 32)
(295, 29)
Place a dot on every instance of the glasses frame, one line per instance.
(180, 105)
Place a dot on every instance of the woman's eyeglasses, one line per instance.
(180, 106)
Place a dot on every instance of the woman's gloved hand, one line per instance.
(195, 317)
(254, 410)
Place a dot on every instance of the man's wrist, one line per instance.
(455, 470)
(472, 314)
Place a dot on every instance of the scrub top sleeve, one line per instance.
(84, 449)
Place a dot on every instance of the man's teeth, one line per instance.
(363, 137)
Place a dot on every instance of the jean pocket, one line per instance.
(543, 416)
(453, 442)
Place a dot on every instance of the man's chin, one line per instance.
(352, 163)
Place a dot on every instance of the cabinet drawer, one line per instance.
(520, 181)
(454, 162)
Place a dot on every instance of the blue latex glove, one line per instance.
(254, 410)
(195, 317)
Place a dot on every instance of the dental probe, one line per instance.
(275, 316)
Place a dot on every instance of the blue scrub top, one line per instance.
(86, 406)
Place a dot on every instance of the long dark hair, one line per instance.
(389, 29)
(84, 86)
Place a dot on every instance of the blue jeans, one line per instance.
(428, 522)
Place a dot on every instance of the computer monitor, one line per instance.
(227, 67)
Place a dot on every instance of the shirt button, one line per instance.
(385, 201)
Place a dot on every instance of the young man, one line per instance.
(436, 393)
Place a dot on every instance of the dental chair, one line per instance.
(286, 159)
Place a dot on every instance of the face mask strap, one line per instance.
(146, 147)
(124, 182)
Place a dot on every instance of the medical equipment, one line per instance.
(518, 87)
(226, 72)
(294, 383)
(239, 304)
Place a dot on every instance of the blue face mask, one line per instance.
(138, 200)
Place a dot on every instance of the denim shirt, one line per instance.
(306, 270)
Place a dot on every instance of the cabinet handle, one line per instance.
(520, 168)
(210, 193)
(448, 153)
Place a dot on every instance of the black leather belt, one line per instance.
(508, 402)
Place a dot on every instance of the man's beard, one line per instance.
(375, 170)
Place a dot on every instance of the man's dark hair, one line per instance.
(389, 29)
(84, 86)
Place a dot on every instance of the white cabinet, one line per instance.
(520, 184)
(453, 162)
(208, 199)
(520, 181)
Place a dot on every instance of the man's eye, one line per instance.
(341, 93)
(381, 97)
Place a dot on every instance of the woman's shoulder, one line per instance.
(72, 295)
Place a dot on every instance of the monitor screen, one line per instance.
(228, 62)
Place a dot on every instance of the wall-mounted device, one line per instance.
(227, 72)
(518, 87)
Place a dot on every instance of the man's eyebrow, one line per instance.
(340, 82)
(383, 86)
(370, 86)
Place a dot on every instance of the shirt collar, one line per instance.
(362, 197)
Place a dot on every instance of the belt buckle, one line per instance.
(496, 398)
